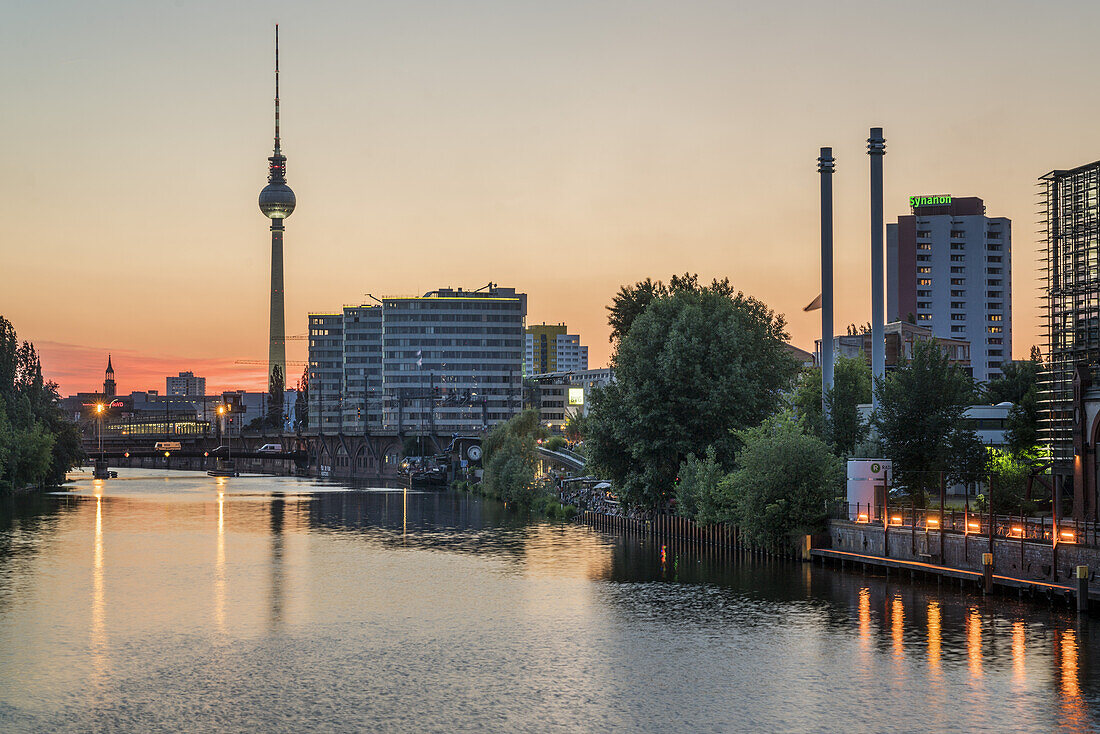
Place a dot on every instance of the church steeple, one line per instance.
(109, 380)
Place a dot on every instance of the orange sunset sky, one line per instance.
(563, 148)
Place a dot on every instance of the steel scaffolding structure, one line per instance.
(1070, 226)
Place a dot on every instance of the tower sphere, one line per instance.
(277, 201)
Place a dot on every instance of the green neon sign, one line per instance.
(915, 201)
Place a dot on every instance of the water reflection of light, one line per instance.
(219, 563)
(865, 616)
(897, 626)
(935, 636)
(404, 512)
(1073, 706)
(97, 627)
(1018, 651)
(974, 643)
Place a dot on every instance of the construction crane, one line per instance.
(291, 362)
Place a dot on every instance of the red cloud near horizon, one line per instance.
(77, 368)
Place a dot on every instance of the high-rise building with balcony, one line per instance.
(949, 268)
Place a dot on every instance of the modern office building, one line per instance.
(550, 348)
(949, 268)
(450, 361)
(326, 371)
(185, 384)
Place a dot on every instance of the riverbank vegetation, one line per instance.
(693, 364)
(38, 444)
(510, 467)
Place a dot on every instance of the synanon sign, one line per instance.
(915, 201)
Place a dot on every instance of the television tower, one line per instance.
(277, 203)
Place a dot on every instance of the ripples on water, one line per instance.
(182, 602)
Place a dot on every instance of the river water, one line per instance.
(177, 601)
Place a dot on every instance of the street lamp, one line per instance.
(99, 425)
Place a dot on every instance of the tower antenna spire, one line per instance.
(277, 89)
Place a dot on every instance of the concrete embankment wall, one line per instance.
(1026, 560)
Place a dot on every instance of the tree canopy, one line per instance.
(37, 443)
(843, 429)
(921, 406)
(694, 364)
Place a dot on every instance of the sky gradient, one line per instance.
(562, 148)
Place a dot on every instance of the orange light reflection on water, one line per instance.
(865, 616)
(974, 643)
(1073, 706)
(935, 637)
(897, 627)
(1018, 651)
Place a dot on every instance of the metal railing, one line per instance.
(963, 522)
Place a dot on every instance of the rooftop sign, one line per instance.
(915, 201)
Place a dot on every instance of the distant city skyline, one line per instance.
(567, 149)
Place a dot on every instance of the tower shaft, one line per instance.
(276, 352)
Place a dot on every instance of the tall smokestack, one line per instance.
(876, 148)
(825, 165)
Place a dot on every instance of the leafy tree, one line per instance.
(783, 484)
(921, 406)
(806, 401)
(275, 395)
(510, 460)
(632, 300)
(696, 490)
(38, 444)
(697, 363)
(301, 401)
(843, 428)
(574, 426)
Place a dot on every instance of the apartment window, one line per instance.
(924, 281)
(958, 269)
(924, 304)
(994, 329)
(995, 317)
(958, 304)
(993, 247)
(924, 233)
(924, 294)
(958, 245)
(958, 317)
(994, 294)
(995, 365)
(995, 352)
(958, 329)
(958, 233)
(924, 245)
(995, 306)
(924, 269)
(958, 258)
(924, 317)
(993, 234)
(994, 258)
(957, 281)
(958, 294)
(924, 258)
(993, 271)
(994, 340)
